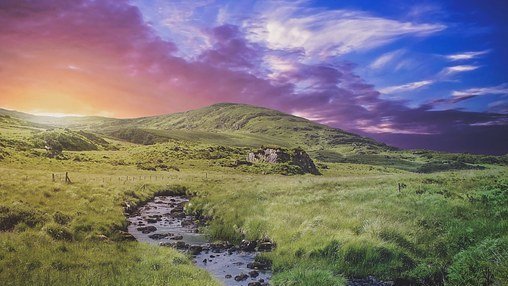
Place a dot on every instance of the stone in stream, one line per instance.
(151, 220)
(258, 265)
(147, 229)
(241, 277)
(228, 276)
(180, 215)
(187, 223)
(177, 237)
(248, 246)
(178, 245)
(195, 249)
(257, 283)
(253, 273)
(157, 236)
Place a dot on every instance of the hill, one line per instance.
(241, 125)
(223, 123)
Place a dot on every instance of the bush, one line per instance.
(11, 216)
(59, 232)
(364, 258)
(61, 218)
(482, 264)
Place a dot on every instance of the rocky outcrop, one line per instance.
(297, 157)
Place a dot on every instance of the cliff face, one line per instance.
(297, 157)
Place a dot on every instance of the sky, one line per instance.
(414, 74)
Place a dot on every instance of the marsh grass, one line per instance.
(350, 222)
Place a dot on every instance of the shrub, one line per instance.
(11, 216)
(61, 218)
(364, 258)
(59, 232)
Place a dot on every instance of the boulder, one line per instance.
(297, 157)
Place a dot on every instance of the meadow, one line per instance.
(441, 227)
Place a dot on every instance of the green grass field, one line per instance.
(448, 227)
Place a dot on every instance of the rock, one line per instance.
(187, 222)
(181, 245)
(177, 215)
(151, 220)
(178, 245)
(253, 273)
(265, 246)
(176, 237)
(297, 157)
(257, 283)
(241, 277)
(147, 229)
(157, 236)
(258, 265)
(219, 246)
(228, 276)
(195, 249)
(248, 246)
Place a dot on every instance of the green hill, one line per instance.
(223, 123)
(241, 124)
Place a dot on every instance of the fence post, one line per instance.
(67, 179)
(53, 175)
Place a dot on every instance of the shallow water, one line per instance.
(218, 262)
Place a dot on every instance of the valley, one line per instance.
(403, 216)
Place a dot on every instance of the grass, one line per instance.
(449, 226)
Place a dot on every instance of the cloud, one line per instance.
(325, 33)
(466, 55)
(385, 59)
(406, 87)
(460, 95)
(457, 69)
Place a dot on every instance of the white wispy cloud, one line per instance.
(458, 69)
(406, 87)
(385, 59)
(324, 33)
(459, 95)
(466, 55)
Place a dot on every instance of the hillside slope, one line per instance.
(224, 123)
(246, 123)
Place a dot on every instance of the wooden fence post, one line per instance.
(67, 179)
(53, 175)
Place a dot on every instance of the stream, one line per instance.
(163, 222)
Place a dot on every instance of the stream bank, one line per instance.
(163, 222)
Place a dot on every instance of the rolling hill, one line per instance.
(224, 123)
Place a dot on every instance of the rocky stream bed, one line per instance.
(164, 222)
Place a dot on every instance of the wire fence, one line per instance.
(90, 178)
